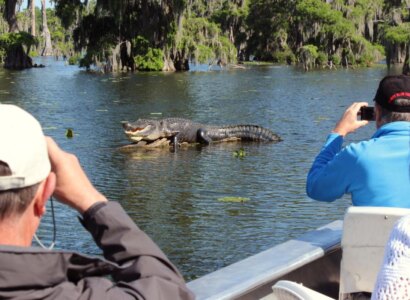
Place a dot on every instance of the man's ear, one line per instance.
(44, 192)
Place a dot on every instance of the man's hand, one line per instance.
(73, 187)
(348, 123)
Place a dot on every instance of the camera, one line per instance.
(367, 113)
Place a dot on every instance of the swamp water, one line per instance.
(179, 198)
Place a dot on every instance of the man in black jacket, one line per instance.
(32, 168)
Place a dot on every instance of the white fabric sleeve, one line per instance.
(393, 280)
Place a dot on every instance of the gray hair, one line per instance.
(15, 201)
(387, 116)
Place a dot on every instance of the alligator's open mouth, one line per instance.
(137, 137)
(133, 137)
(133, 133)
(158, 143)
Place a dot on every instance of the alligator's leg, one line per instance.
(202, 137)
(174, 142)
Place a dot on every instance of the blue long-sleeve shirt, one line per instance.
(375, 172)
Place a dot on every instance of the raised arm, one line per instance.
(330, 174)
(145, 273)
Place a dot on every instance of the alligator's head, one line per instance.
(145, 129)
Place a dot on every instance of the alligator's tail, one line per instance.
(245, 133)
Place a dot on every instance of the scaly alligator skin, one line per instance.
(184, 130)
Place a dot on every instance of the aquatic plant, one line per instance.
(153, 60)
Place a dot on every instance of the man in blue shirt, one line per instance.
(375, 172)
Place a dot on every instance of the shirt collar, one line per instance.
(397, 128)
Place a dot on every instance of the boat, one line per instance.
(337, 260)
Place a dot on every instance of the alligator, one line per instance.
(180, 130)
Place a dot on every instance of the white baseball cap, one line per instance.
(22, 147)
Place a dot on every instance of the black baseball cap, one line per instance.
(392, 88)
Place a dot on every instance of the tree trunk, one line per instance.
(126, 56)
(33, 17)
(120, 57)
(168, 65)
(10, 15)
(48, 49)
(180, 61)
(16, 57)
(406, 67)
(112, 60)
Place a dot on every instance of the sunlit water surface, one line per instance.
(175, 197)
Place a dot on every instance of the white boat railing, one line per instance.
(253, 277)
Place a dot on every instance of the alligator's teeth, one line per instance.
(135, 138)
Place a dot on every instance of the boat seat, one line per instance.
(289, 290)
(366, 231)
(365, 234)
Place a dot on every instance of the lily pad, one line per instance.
(239, 153)
(233, 199)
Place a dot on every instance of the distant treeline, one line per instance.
(170, 34)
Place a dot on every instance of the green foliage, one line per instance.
(153, 60)
(68, 10)
(285, 56)
(365, 60)
(147, 58)
(363, 52)
(141, 45)
(264, 21)
(310, 50)
(229, 11)
(2, 54)
(347, 32)
(241, 153)
(368, 57)
(204, 42)
(330, 23)
(75, 59)
(308, 55)
(380, 49)
(360, 12)
(397, 34)
(225, 50)
(33, 53)
(316, 11)
(231, 18)
(321, 59)
(350, 58)
(100, 25)
(336, 28)
(95, 34)
(336, 59)
(204, 53)
(279, 57)
(8, 40)
(61, 38)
